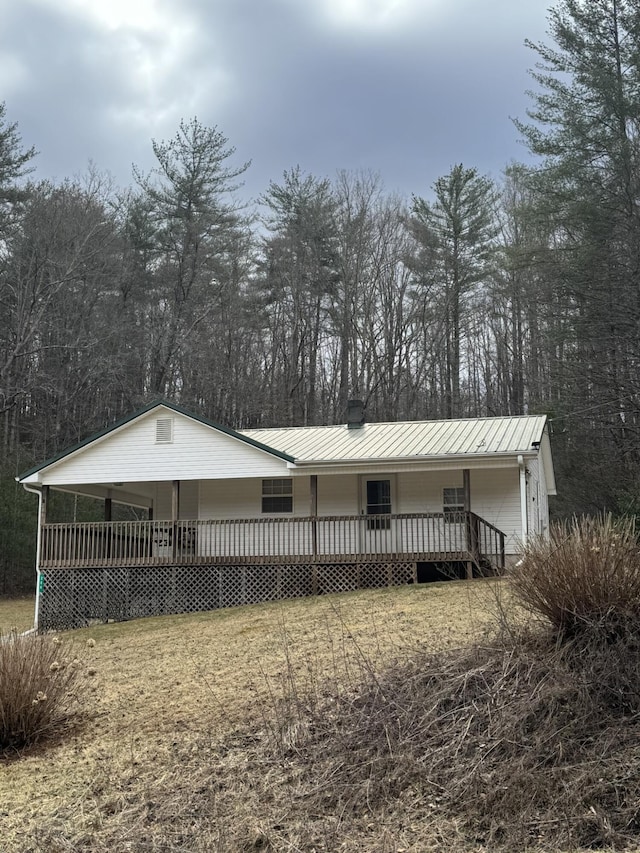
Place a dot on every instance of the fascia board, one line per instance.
(414, 463)
(547, 464)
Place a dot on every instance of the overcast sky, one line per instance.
(405, 88)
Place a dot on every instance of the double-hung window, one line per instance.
(277, 496)
(453, 503)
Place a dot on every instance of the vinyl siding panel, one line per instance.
(338, 495)
(537, 499)
(235, 499)
(132, 454)
(242, 499)
(533, 497)
(495, 497)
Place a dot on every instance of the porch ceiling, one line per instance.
(132, 494)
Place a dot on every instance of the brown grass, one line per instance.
(16, 613)
(383, 721)
(180, 704)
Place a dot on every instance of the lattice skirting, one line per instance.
(72, 598)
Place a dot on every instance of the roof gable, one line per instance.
(130, 423)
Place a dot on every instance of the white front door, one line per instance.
(377, 528)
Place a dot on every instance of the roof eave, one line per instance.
(397, 460)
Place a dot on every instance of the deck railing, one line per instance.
(345, 538)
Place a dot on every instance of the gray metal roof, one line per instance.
(405, 439)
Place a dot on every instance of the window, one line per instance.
(378, 503)
(277, 496)
(453, 503)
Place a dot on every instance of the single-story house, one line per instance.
(227, 517)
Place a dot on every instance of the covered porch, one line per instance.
(409, 537)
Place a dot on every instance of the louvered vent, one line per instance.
(164, 430)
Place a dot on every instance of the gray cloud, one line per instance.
(284, 80)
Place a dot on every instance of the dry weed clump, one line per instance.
(586, 576)
(532, 739)
(38, 677)
(513, 742)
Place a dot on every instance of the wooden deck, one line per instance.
(414, 537)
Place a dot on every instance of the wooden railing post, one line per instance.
(175, 515)
(313, 508)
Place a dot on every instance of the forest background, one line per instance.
(480, 298)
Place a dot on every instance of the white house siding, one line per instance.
(338, 495)
(242, 499)
(543, 509)
(495, 496)
(533, 497)
(537, 499)
(132, 454)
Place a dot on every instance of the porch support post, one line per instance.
(175, 515)
(175, 500)
(44, 505)
(522, 468)
(43, 498)
(313, 512)
(466, 486)
(107, 509)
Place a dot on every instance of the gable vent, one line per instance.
(164, 430)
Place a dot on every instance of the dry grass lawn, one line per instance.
(16, 613)
(157, 689)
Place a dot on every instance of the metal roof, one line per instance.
(405, 439)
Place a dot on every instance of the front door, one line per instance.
(377, 528)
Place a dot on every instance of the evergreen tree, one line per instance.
(585, 125)
(460, 227)
(190, 203)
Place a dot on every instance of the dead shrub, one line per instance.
(585, 577)
(516, 742)
(38, 677)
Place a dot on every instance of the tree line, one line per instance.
(474, 297)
